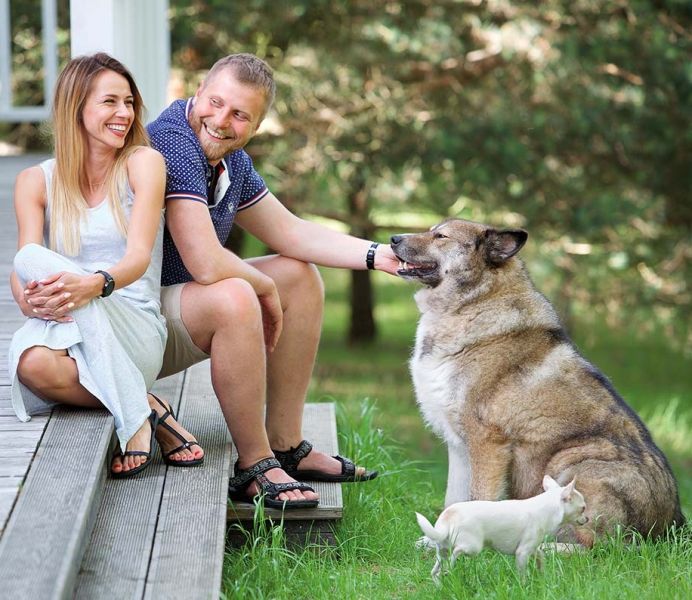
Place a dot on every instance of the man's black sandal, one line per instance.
(290, 459)
(153, 419)
(186, 445)
(238, 485)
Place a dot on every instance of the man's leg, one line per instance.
(290, 366)
(225, 321)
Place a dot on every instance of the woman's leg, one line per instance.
(53, 375)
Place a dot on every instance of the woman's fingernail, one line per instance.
(70, 305)
(35, 310)
(66, 295)
(61, 285)
(28, 301)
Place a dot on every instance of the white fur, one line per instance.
(510, 526)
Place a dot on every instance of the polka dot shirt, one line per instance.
(189, 176)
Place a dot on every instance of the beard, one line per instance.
(213, 150)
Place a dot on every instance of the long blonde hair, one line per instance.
(68, 205)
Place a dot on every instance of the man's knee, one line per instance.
(227, 300)
(303, 278)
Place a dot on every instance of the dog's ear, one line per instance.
(566, 493)
(549, 483)
(501, 245)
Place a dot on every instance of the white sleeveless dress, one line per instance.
(117, 342)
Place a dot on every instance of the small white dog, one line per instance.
(509, 526)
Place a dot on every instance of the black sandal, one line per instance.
(153, 420)
(290, 459)
(186, 445)
(269, 490)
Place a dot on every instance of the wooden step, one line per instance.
(161, 533)
(44, 540)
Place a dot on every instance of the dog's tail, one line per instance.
(428, 530)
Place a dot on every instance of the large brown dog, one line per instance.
(499, 381)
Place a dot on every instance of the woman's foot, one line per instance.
(140, 447)
(178, 446)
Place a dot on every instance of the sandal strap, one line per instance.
(348, 467)
(177, 434)
(290, 458)
(272, 489)
(166, 407)
(244, 477)
(168, 412)
(187, 445)
(134, 453)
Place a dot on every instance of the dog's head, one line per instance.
(462, 250)
(571, 499)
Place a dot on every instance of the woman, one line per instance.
(95, 336)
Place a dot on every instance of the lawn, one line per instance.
(379, 425)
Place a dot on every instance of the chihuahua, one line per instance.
(509, 526)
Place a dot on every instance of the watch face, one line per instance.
(108, 286)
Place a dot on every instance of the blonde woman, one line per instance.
(88, 268)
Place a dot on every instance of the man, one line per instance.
(259, 320)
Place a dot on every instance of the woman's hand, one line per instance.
(53, 297)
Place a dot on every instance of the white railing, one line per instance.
(49, 20)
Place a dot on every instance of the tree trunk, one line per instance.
(362, 328)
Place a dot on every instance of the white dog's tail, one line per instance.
(428, 530)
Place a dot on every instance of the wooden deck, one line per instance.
(69, 531)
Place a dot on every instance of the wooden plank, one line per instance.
(15, 466)
(43, 542)
(187, 560)
(118, 554)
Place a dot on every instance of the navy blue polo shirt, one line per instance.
(188, 176)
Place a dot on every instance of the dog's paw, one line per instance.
(561, 547)
(425, 543)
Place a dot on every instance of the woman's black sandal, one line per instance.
(238, 485)
(290, 458)
(153, 420)
(186, 445)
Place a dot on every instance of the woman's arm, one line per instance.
(146, 171)
(67, 291)
(29, 209)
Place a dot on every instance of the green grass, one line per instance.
(379, 425)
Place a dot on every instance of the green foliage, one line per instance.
(569, 118)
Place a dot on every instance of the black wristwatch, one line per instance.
(109, 286)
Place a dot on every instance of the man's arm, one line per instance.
(208, 261)
(285, 233)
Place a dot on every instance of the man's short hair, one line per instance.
(250, 70)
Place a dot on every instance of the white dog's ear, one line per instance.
(566, 493)
(549, 483)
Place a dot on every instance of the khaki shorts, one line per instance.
(181, 351)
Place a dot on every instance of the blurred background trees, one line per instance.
(571, 119)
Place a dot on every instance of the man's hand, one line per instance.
(53, 297)
(272, 313)
(385, 260)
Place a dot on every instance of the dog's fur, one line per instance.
(509, 526)
(497, 378)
